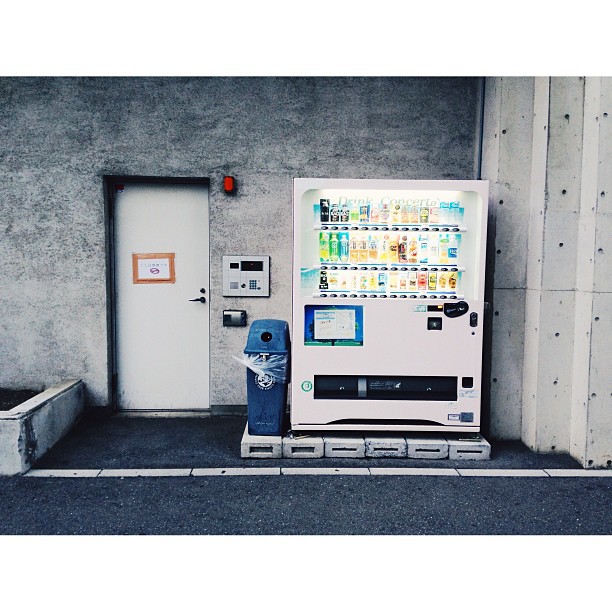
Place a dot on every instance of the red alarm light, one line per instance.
(229, 184)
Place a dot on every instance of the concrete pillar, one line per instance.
(565, 358)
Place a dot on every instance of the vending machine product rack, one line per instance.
(388, 299)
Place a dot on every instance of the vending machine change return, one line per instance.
(388, 300)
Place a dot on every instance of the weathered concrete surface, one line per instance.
(61, 135)
(564, 393)
(30, 429)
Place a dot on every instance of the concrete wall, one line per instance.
(548, 152)
(60, 136)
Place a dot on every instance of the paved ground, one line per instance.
(389, 505)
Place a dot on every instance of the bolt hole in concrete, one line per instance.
(597, 318)
(567, 117)
(503, 131)
(590, 462)
(593, 395)
(560, 244)
(495, 380)
(603, 194)
(555, 382)
(609, 463)
(564, 191)
(497, 313)
(499, 251)
(501, 201)
(553, 447)
(600, 250)
(557, 335)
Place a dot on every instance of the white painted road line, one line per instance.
(271, 471)
(325, 471)
(407, 471)
(312, 471)
(579, 473)
(62, 473)
(503, 473)
(144, 472)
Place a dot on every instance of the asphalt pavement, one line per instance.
(291, 505)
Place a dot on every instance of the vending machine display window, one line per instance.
(332, 325)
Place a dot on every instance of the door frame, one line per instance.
(109, 225)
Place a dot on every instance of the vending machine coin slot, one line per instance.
(474, 319)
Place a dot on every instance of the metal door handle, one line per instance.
(200, 299)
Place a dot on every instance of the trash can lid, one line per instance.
(268, 336)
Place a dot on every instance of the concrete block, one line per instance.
(476, 449)
(427, 448)
(260, 447)
(145, 473)
(62, 473)
(310, 447)
(504, 473)
(385, 447)
(353, 448)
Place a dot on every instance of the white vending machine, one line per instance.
(388, 299)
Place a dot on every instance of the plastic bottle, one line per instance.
(396, 212)
(423, 248)
(363, 247)
(443, 252)
(324, 205)
(334, 213)
(364, 213)
(405, 213)
(454, 213)
(384, 213)
(444, 213)
(434, 213)
(393, 248)
(354, 247)
(412, 282)
(382, 282)
(414, 214)
(372, 248)
(393, 281)
(403, 249)
(422, 280)
(403, 281)
(413, 249)
(344, 213)
(424, 215)
(324, 246)
(374, 213)
(343, 250)
(453, 247)
(383, 249)
(334, 247)
(354, 212)
(433, 249)
(432, 281)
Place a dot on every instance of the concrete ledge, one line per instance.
(30, 429)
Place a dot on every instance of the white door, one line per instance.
(161, 266)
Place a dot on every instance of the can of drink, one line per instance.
(422, 280)
(432, 281)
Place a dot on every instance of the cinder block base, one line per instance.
(476, 449)
(427, 448)
(310, 447)
(260, 447)
(353, 448)
(385, 447)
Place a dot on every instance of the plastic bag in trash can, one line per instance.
(273, 367)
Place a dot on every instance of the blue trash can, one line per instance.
(267, 355)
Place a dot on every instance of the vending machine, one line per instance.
(388, 300)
